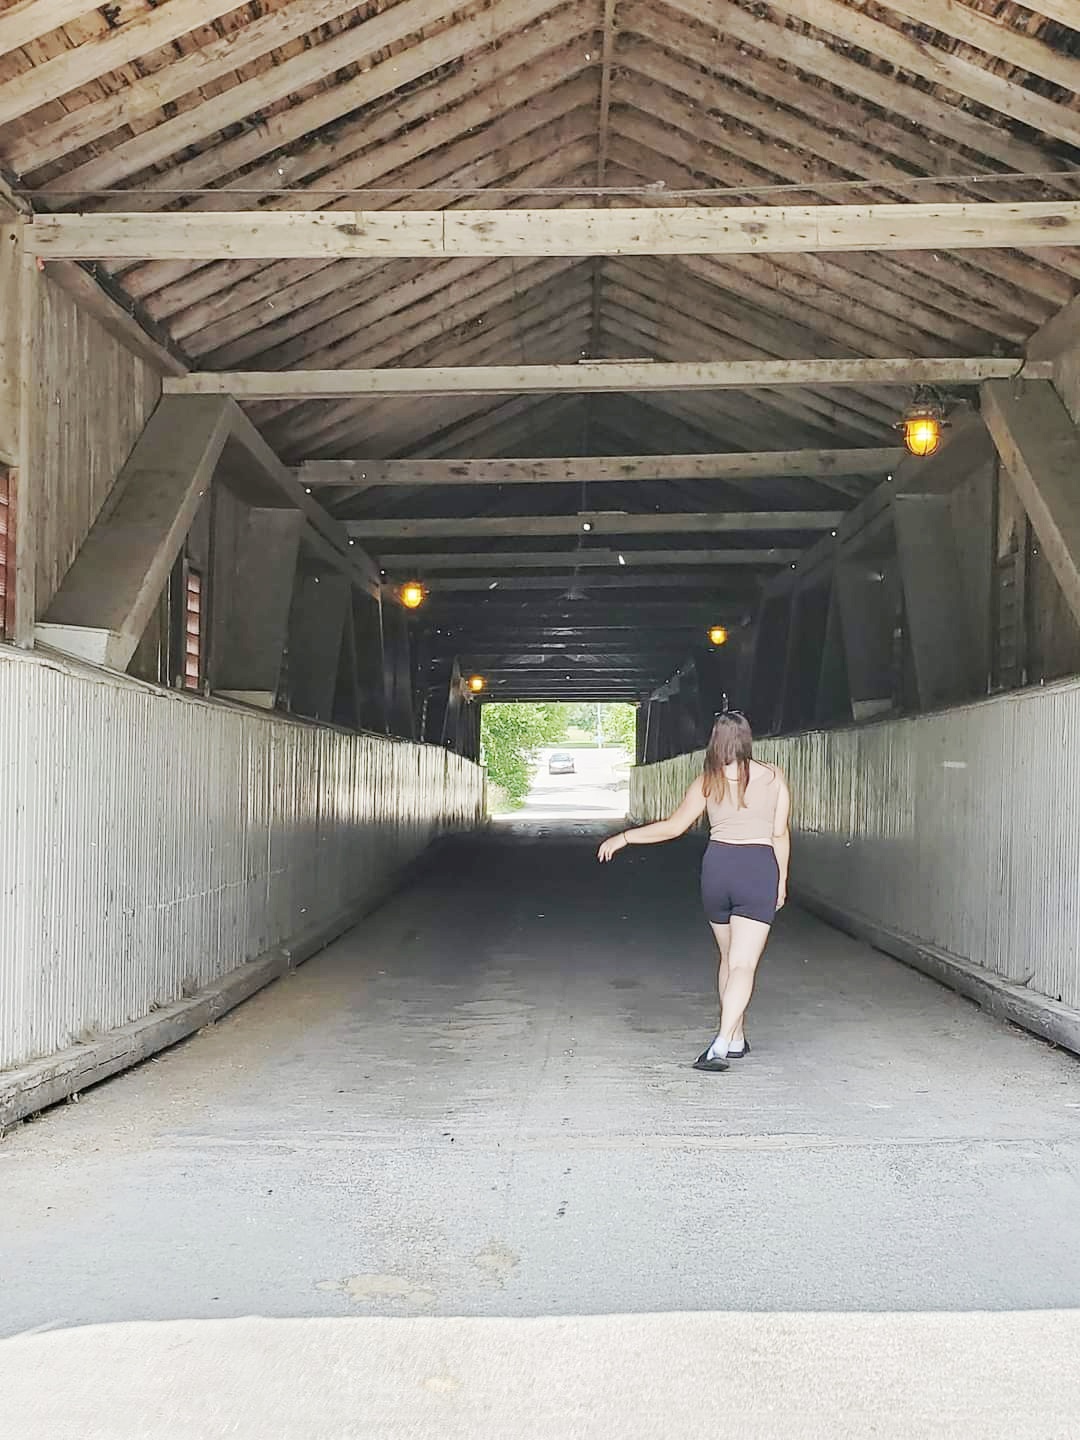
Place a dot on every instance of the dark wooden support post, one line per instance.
(254, 571)
(316, 628)
(717, 681)
(802, 665)
(347, 695)
(940, 624)
(397, 670)
(472, 717)
(654, 737)
(833, 703)
(770, 659)
(455, 703)
(109, 594)
(367, 635)
(1040, 447)
(641, 730)
(867, 612)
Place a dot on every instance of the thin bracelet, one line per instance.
(626, 839)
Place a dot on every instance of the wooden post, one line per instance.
(1040, 447)
(27, 481)
(316, 628)
(940, 625)
(254, 587)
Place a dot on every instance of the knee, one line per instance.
(742, 964)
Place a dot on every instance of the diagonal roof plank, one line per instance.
(224, 297)
(635, 318)
(779, 142)
(110, 49)
(50, 140)
(669, 151)
(29, 20)
(826, 56)
(390, 146)
(402, 423)
(429, 334)
(952, 71)
(492, 294)
(839, 112)
(361, 45)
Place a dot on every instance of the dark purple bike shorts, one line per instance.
(739, 880)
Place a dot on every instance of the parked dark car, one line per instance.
(560, 763)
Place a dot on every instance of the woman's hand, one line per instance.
(611, 847)
(781, 899)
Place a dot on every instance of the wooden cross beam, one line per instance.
(598, 377)
(627, 578)
(596, 522)
(573, 469)
(687, 230)
(498, 561)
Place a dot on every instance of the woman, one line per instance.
(744, 869)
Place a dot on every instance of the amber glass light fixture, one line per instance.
(412, 595)
(718, 635)
(477, 684)
(923, 424)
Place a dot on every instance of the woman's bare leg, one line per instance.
(722, 934)
(748, 941)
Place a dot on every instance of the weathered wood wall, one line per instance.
(93, 397)
(9, 346)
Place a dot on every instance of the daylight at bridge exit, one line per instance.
(539, 719)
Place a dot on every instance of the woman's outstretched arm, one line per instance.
(781, 840)
(691, 808)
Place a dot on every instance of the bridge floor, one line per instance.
(480, 1104)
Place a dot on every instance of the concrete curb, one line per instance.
(1049, 1019)
(34, 1087)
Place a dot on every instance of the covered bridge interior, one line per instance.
(365, 363)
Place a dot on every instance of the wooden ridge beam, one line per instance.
(496, 561)
(598, 377)
(595, 522)
(689, 230)
(765, 464)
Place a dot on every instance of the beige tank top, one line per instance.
(752, 824)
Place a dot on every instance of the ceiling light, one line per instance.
(412, 594)
(476, 684)
(923, 423)
(718, 635)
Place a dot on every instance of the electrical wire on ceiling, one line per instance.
(890, 182)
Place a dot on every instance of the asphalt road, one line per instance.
(462, 1167)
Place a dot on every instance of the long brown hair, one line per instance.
(731, 743)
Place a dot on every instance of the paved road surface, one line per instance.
(468, 1138)
(598, 789)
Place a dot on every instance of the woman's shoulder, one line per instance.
(772, 773)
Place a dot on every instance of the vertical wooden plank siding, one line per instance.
(93, 398)
(9, 346)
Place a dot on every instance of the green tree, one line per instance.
(511, 735)
(619, 723)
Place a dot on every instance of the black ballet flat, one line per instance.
(738, 1054)
(715, 1064)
